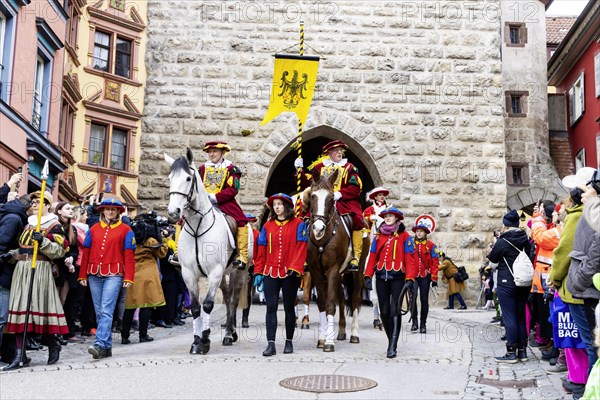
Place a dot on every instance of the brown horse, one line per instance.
(328, 250)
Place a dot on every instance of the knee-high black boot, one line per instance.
(393, 344)
(53, 349)
(387, 326)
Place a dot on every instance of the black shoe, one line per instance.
(352, 266)
(414, 328)
(125, 340)
(423, 329)
(178, 322)
(163, 324)
(448, 308)
(270, 350)
(238, 264)
(510, 357)
(503, 338)
(95, 351)
(289, 347)
(32, 344)
(60, 340)
(462, 307)
(53, 353)
(14, 364)
(145, 338)
(573, 388)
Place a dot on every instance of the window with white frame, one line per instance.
(108, 146)
(598, 151)
(2, 39)
(36, 118)
(580, 159)
(577, 100)
(597, 73)
(112, 54)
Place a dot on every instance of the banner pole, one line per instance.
(300, 127)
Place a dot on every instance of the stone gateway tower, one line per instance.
(413, 87)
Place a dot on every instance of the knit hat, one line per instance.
(511, 219)
(549, 209)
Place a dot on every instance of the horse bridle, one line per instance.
(194, 232)
(321, 248)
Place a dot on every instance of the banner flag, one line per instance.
(294, 80)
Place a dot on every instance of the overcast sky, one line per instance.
(566, 7)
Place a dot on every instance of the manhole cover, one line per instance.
(527, 383)
(328, 383)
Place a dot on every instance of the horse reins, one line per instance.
(321, 249)
(194, 231)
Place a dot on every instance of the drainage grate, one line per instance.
(527, 383)
(328, 383)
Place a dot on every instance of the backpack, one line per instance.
(461, 275)
(522, 268)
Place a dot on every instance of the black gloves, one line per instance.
(433, 283)
(368, 283)
(6, 257)
(409, 283)
(38, 237)
(293, 273)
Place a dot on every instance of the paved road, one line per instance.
(444, 364)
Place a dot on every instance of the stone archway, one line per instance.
(526, 198)
(281, 173)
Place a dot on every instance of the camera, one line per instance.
(595, 181)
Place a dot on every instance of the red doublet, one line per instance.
(348, 184)
(389, 253)
(109, 250)
(372, 211)
(224, 183)
(281, 247)
(425, 259)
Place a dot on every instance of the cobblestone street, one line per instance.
(444, 364)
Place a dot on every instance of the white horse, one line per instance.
(205, 249)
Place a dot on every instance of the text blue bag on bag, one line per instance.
(564, 329)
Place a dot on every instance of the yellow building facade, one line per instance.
(103, 99)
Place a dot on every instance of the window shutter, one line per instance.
(597, 73)
(571, 100)
(582, 93)
(523, 31)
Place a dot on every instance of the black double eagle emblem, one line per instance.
(292, 90)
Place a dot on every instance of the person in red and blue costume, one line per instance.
(423, 272)
(221, 179)
(108, 263)
(390, 257)
(347, 189)
(279, 266)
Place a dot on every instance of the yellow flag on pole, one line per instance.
(294, 80)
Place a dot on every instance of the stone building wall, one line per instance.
(414, 87)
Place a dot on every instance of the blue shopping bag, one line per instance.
(564, 329)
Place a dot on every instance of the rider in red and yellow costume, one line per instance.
(347, 189)
(221, 179)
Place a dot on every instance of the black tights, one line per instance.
(289, 286)
(388, 293)
(128, 319)
(421, 285)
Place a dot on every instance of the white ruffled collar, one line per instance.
(222, 164)
(46, 219)
(328, 162)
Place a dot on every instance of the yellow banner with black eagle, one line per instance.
(294, 80)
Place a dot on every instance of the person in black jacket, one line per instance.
(13, 217)
(513, 299)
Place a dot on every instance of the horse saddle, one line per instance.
(347, 219)
(232, 223)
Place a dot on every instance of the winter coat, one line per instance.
(147, 290)
(561, 260)
(546, 238)
(4, 191)
(13, 219)
(585, 257)
(591, 212)
(504, 254)
(448, 267)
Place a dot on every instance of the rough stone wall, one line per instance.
(417, 84)
(525, 69)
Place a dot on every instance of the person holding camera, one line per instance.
(46, 312)
(391, 253)
(279, 266)
(513, 298)
(546, 234)
(449, 269)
